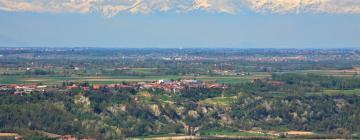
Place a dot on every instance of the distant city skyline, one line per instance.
(180, 23)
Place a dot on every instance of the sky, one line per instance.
(180, 23)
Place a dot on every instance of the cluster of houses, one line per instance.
(24, 88)
(16, 136)
(99, 86)
(172, 86)
(167, 85)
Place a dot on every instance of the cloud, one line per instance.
(111, 8)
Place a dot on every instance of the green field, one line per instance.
(345, 73)
(342, 92)
(57, 79)
(144, 70)
(204, 134)
(224, 101)
(229, 133)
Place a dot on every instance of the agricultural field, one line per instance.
(58, 79)
(346, 72)
(208, 134)
(222, 101)
(232, 133)
(342, 92)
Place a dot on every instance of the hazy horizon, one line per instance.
(180, 24)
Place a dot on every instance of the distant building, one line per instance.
(74, 86)
(67, 137)
(97, 86)
(164, 81)
(192, 81)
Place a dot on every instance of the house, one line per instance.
(86, 88)
(151, 85)
(112, 85)
(18, 138)
(124, 86)
(73, 86)
(215, 86)
(41, 88)
(97, 86)
(123, 68)
(4, 88)
(67, 137)
(25, 89)
(173, 87)
(192, 81)
(164, 81)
